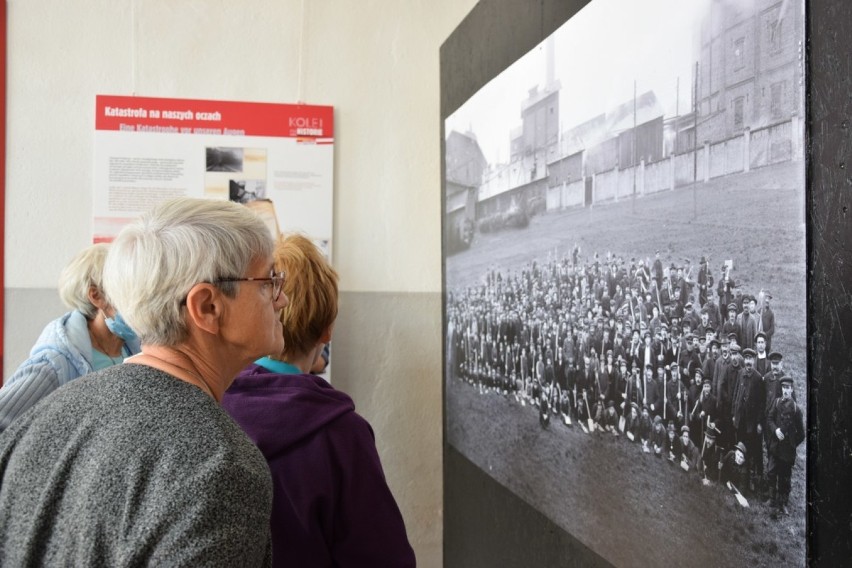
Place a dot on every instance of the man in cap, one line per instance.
(559, 368)
(620, 387)
(721, 363)
(608, 377)
(772, 380)
(766, 323)
(730, 326)
(725, 287)
(635, 388)
(643, 275)
(653, 392)
(703, 326)
(714, 315)
(688, 360)
(739, 298)
(609, 418)
(671, 399)
(711, 457)
(569, 348)
(761, 361)
(690, 454)
(772, 390)
(570, 392)
(667, 302)
(525, 364)
(648, 307)
(517, 386)
(549, 371)
(693, 394)
(656, 320)
(643, 429)
(647, 354)
(631, 307)
(586, 380)
(736, 357)
(684, 283)
(705, 413)
(686, 330)
(631, 421)
(702, 348)
(544, 410)
(672, 449)
(787, 428)
(657, 270)
(748, 406)
(666, 345)
(747, 321)
(539, 380)
(618, 346)
(673, 380)
(658, 436)
(724, 380)
(704, 281)
(733, 471)
(690, 315)
(612, 277)
(675, 333)
(709, 366)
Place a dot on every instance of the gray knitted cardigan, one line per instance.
(130, 466)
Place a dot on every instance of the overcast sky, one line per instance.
(599, 52)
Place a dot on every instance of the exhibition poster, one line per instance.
(277, 158)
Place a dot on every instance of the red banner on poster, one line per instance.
(191, 116)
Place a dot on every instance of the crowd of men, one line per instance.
(642, 351)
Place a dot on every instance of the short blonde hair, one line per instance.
(83, 272)
(311, 287)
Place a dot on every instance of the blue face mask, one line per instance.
(119, 328)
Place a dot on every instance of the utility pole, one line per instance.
(635, 165)
(677, 120)
(695, 143)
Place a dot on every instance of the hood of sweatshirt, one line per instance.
(278, 411)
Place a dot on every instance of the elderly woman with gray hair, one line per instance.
(89, 338)
(138, 464)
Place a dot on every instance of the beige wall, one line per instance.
(375, 61)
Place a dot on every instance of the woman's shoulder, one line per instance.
(62, 344)
(144, 402)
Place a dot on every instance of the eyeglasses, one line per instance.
(276, 280)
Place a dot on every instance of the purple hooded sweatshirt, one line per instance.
(331, 504)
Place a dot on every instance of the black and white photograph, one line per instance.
(245, 190)
(625, 281)
(224, 159)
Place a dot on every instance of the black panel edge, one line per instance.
(829, 60)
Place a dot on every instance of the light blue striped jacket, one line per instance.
(62, 353)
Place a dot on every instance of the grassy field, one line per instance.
(632, 508)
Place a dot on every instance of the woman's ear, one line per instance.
(203, 306)
(97, 298)
(326, 335)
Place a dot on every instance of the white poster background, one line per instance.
(134, 171)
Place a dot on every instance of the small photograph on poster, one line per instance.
(224, 159)
(625, 304)
(250, 181)
(245, 190)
